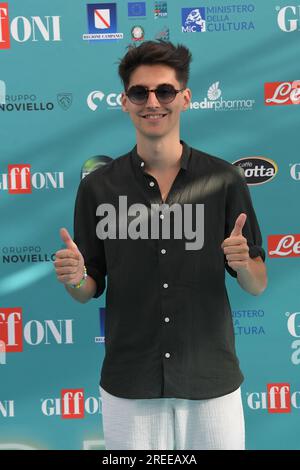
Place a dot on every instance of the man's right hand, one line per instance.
(69, 262)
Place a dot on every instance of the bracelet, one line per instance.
(76, 286)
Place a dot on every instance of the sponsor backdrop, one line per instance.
(61, 118)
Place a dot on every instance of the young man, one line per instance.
(170, 377)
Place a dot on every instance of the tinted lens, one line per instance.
(165, 93)
(137, 94)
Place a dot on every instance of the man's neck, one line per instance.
(161, 155)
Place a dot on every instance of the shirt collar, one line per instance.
(184, 160)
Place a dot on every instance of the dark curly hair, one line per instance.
(156, 52)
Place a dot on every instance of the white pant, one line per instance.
(173, 423)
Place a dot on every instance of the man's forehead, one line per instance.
(152, 84)
(153, 75)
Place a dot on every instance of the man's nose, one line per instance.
(152, 101)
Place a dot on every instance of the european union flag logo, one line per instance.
(136, 8)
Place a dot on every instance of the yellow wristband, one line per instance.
(77, 286)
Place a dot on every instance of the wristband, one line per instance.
(76, 286)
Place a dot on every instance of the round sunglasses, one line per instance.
(165, 94)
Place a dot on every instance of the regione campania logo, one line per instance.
(102, 22)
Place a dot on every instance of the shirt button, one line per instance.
(143, 163)
(167, 319)
(163, 251)
(166, 285)
(162, 216)
(151, 184)
(167, 355)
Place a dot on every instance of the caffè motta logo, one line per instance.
(257, 170)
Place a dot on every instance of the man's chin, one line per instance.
(154, 134)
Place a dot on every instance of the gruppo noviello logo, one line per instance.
(220, 18)
(29, 101)
(102, 22)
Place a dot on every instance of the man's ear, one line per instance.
(124, 102)
(187, 96)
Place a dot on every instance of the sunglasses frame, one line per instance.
(154, 90)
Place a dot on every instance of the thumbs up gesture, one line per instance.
(69, 262)
(236, 247)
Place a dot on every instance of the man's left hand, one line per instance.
(235, 247)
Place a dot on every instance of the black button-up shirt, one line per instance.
(168, 324)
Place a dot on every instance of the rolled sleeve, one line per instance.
(85, 237)
(238, 201)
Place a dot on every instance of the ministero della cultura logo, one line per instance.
(215, 101)
(218, 18)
